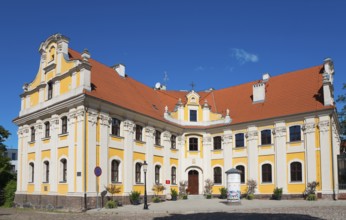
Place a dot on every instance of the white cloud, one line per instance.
(244, 57)
(199, 68)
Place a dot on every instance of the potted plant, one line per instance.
(310, 191)
(113, 189)
(157, 189)
(223, 193)
(208, 188)
(182, 189)
(251, 186)
(174, 194)
(277, 193)
(134, 197)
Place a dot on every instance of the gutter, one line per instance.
(85, 180)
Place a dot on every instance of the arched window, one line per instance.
(47, 129)
(193, 144)
(63, 170)
(46, 171)
(52, 53)
(157, 174)
(242, 175)
(296, 172)
(138, 172)
(31, 172)
(266, 173)
(266, 137)
(174, 175)
(217, 175)
(217, 143)
(32, 133)
(239, 140)
(295, 134)
(64, 125)
(115, 171)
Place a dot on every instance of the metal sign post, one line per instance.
(98, 172)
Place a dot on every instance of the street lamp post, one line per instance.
(145, 168)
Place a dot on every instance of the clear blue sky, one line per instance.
(212, 43)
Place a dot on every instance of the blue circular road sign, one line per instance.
(98, 171)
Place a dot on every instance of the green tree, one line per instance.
(342, 117)
(5, 166)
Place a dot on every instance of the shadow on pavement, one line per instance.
(224, 215)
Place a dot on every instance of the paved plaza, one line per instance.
(200, 209)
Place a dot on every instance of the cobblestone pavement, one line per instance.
(198, 209)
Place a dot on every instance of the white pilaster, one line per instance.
(38, 160)
(324, 126)
(92, 154)
(279, 133)
(227, 153)
(310, 148)
(41, 95)
(128, 155)
(149, 156)
(54, 163)
(166, 159)
(80, 114)
(105, 121)
(71, 171)
(207, 169)
(252, 152)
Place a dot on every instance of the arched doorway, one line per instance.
(193, 182)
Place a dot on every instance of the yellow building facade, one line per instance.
(78, 114)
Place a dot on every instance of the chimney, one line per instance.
(265, 77)
(120, 68)
(258, 92)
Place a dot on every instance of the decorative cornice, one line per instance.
(149, 131)
(323, 126)
(92, 117)
(251, 135)
(105, 120)
(308, 128)
(227, 138)
(129, 126)
(279, 131)
(167, 136)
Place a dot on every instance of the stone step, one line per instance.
(195, 197)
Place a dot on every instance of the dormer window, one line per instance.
(193, 115)
(50, 90)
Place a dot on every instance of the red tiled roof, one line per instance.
(291, 93)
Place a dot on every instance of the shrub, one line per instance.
(250, 196)
(182, 189)
(251, 187)
(208, 196)
(311, 188)
(113, 189)
(134, 197)
(223, 193)
(208, 187)
(277, 193)
(311, 197)
(111, 204)
(158, 188)
(9, 192)
(174, 194)
(156, 200)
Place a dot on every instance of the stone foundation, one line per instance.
(67, 203)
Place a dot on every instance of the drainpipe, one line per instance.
(85, 180)
(332, 145)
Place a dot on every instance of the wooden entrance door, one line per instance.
(193, 182)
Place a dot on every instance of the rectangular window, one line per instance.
(13, 156)
(239, 140)
(139, 130)
(193, 144)
(217, 143)
(157, 137)
(64, 125)
(295, 134)
(193, 115)
(266, 137)
(115, 127)
(47, 130)
(50, 90)
(173, 142)
(32, 134)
